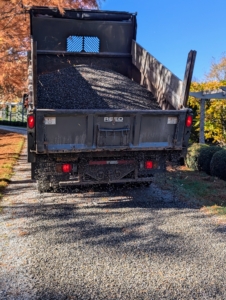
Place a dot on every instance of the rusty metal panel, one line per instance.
(165, 86)
(170, 88)
(139, 56)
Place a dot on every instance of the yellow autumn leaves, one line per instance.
(215, 113)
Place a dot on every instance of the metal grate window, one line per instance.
(75, 43)
(83, 44)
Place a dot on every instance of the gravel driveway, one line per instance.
(118, 243)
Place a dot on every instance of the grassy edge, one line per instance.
(168, 181)
(9, 167)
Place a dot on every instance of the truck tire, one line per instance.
(43, 185)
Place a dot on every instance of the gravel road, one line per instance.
(117, 243)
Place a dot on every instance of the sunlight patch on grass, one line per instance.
(196, 188)
(10, 147)
(220, 211)
(7, 166)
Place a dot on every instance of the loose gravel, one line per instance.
(115, 243)
(84, 87)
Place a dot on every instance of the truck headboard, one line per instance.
(89, 31)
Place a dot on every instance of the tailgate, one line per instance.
(75, 131)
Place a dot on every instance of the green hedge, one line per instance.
(192, 157)
(205, 156)
(218, 164)
(13, 123)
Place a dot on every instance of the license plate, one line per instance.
(50, 121)
(172, 120)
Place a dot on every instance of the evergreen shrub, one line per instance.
(218, 164)
(205, 156)
(192, 157)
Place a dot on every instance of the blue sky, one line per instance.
(169, 29)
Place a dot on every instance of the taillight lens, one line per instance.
(31, 122)
(149, 164)
(189, 121)
(66, 168)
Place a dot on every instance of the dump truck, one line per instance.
(101, 109)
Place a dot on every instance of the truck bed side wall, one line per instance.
(165, 86)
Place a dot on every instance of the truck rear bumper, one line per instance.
(70, 170)
(79, 183)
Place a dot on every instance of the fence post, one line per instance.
(202, 122)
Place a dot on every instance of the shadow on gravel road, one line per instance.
(144, 231)
(128, 212)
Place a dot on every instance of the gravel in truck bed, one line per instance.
(84, 87)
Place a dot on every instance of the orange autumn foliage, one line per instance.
(15, 41)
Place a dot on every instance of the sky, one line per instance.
(169, 29)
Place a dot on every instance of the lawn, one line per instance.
(10, 147)
(197, 188)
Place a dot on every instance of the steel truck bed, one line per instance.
(101, 109)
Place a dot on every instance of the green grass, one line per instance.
(221, 210)
(196, 188)
(7, 166)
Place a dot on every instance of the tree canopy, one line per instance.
(217, 69)
(15, 40)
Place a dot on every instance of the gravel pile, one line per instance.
(107, 244)
(84, 87)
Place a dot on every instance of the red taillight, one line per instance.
(149, 164)
(189, 121)
(31, 122)
(66, 168)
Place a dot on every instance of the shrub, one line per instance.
(205, 156)
(218, 164)
(191, 159)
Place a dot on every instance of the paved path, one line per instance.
(21, 130)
